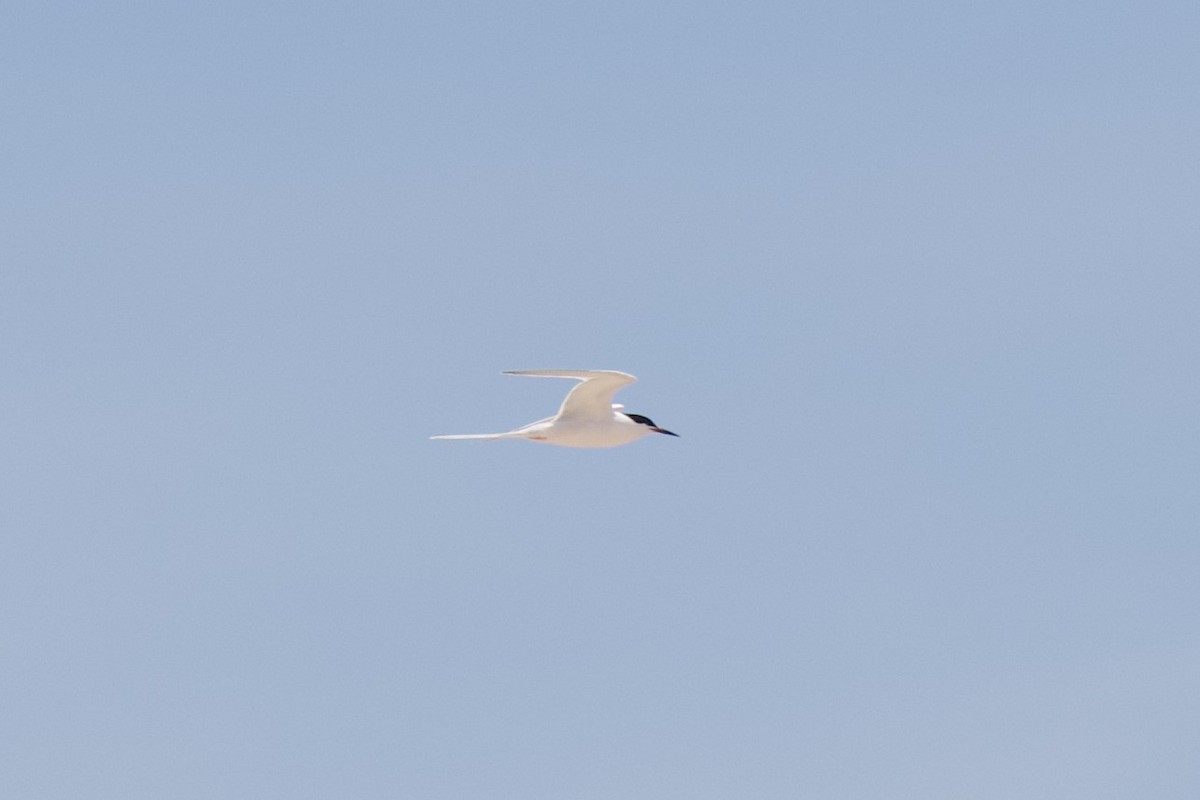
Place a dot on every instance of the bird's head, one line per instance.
(649, 423)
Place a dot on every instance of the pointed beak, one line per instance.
(664, 430)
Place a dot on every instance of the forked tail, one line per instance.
(477, 436)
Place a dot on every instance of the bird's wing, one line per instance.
(592, 398)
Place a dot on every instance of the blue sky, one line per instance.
(916, 286)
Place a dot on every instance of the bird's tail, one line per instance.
(477, 436)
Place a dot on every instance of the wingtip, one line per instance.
(577, 374)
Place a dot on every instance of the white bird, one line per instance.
(587, 418)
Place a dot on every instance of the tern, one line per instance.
(587, 418)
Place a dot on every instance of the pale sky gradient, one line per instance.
(917, 286)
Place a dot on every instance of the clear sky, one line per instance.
(916, 283)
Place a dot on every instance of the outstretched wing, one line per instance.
(592, 398)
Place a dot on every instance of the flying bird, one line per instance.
(587, 418)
